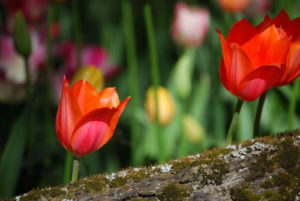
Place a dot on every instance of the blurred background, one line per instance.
(136, 46)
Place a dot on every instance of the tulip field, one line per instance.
(95, 86)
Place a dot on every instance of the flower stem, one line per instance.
(293, 103)
(260, 106)
(154, 72)
(75, 169)
(77, 30)
(28, 78)
(50, 17)
(67, 170)
(133, 78)
(234, 121)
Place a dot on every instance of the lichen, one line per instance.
(173, 192)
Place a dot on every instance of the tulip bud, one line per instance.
(234, 5)
(91, 74)
(183, 73)
(193, 129)
(22, 40)
(190, 25)
(166, 105)
(257, 7)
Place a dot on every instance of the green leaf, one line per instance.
(183, 70)
(11, 160)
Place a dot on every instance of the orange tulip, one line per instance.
(86, 119)
(234, 5)
(256, 59)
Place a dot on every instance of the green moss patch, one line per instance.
(243, 194)
(173, 192)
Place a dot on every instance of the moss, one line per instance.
(218, 167)
(55, 192)
(280, 179)
(283, 185)
(243, 194)
(262, 165)
(94, 185)
(137, 176)
(173, 192)
(214, 153)
(179, 165)
(269, 195)
(291, 133)
(32, 195)
(51, 192)
(139, 199)
(288, 154)
(117, 182)
(206, 158)
(248, 143)
(132, 176)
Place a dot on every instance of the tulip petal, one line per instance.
(87, 96)
(236, 64)
(91, 131)
(223, 75)
(292, 64)
(241, 32)
(293, 29)
(282, 19)
(264, 24)
(114, 121)
(95, 129)
(109, 98)
(261, 48)
(68, 115)
(259, 81)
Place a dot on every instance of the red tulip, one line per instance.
(256, 59)
(86, 119)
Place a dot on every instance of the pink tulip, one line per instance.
(90, 55)
(190, 25)
(34, 10)
(12, 67)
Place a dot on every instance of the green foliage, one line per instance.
(22, 40)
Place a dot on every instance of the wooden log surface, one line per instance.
(259, 169)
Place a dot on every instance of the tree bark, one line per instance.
(260, 169)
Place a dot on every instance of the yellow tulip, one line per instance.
(193, 129)
(91, 74)
(166, 105)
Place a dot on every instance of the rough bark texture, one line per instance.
(261, 169)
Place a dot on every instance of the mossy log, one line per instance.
(260, 169)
